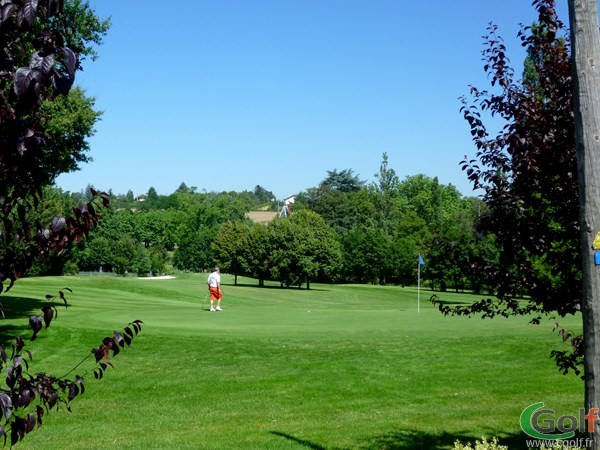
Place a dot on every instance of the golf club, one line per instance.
(204, 302)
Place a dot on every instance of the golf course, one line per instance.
(333, 367)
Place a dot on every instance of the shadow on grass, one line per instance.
(19, 308)
(450, 302)
(302, 442)
(414, 440)
(293, 288)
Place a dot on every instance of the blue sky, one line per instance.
(229, 94)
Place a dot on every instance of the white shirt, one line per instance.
(214, 280)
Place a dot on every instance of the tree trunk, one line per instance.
(585, 48)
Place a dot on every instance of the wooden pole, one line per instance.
(585, 49)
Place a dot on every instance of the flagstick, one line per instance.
(418, 287)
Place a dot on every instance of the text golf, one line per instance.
(542, 423)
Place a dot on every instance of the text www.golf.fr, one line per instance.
(565, 445)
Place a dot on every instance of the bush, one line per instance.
(493, 445)
(481, 445)
(70, 268)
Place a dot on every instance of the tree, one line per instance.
(344, 181)
(319, 251)
(528, 175)
(366, 254)
(387, 188)
(68, 122)
(42, 44)
(227, 247)
(262, 196)
(255, 257)
(585, 41)
(152, 194)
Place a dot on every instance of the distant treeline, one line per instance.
(342, 231)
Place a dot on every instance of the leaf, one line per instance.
(70, 61)
(27, 12)
(61, 82)
(48, 315)
(6, 405)
(99, 352)
(62, 296)
(35, 322)
(40, 413)
(6, 12)
(30, 424)
(25, 80)
(58, 223)
(27, 396)
(79, 381)
(17, 430)
(52, 400)
(73, 391)
(42, 61)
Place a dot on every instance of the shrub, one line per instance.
(481, 445)
(70, 268)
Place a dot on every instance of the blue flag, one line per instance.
(421, 262)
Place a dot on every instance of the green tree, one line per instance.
(319, 248)
(366, 254)
(343, 181)
(69, 123)
(194, 251)
(255, 256)
(228, 246)
(152, 195)
(387, 189)
(262, 196)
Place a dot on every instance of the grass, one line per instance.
(335, 367)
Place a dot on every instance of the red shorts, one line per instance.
(215, 293)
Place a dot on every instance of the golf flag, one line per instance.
(421, 262)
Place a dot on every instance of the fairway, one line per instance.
(333, 367)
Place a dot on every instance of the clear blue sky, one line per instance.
(229, 94)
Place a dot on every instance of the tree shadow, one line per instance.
(272, 286)
(18, 308)
(414, 440)
(450, 302)
(302, 442)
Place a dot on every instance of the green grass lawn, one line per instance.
(334, 367)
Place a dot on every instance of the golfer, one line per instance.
(214, 287)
